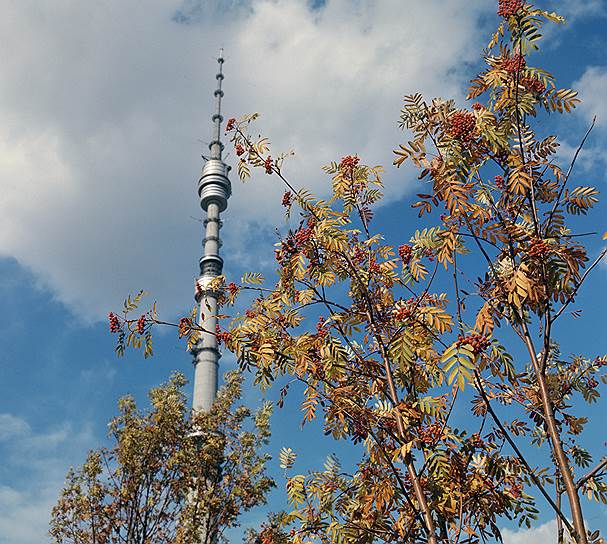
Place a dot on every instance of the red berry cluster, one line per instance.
(402, 314)
(500, 183)
(302, 236)
(360, 431)
(533, 85)
(477, 106)
(222, 336)
(538, 248)
(348, 163)
(230, 124)
(250, 314)
(185, 325)
(268, 165)
(293, 244)
(478, 342)
(507, 8)
(405, 251)
(287, 199)
(321, 331)
(592, 383)
(462, 125)
(232, 288)
(430, 434)
(516, 491)
(239, 149)
(514, 64)
(374, 267)
(358, 255)
(141, 324)
(114, 323)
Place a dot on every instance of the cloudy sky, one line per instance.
(104, 112)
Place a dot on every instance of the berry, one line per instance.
(320, 328)
(348, 164)
(239, 150)
(405, 252)
(461, 126)
(477, 106)
(500, 183)
(538, 248)
(533, 85)
(302, 237)
(141, 324)
(268, 165)
(230, 124)
(232, 288)
(478, 342)
(402, 314)
(507, 8)
(514, 64)
(114, 323)
(287, 199)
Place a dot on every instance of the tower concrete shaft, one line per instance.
(214, 189)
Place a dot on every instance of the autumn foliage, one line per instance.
(168, 477)
(386, 357)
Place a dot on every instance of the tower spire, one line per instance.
(216, 146)
(214, 189)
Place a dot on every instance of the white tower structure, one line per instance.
(214, 189)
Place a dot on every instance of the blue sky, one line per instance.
(104, 111)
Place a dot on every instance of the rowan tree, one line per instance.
(391, 340)
(168, 477)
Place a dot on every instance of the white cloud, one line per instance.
(11, 427)
(577, 9)
(102, 105)
(39, 462)
(592, 87)
(542, 533)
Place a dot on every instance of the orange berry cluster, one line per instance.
(268, 165)
(239, 149)
(533, 85)
(430, 434)
(349, 163)
(507, 8)
(405, 251)
(287, 199)
(222, 336)
(233, 288)
(514, 64)
(141, 324)
(114, 323)
(230, 124)
(462, 125)
(302, 236)
(402, 314)
(478, 342)
(538, 248)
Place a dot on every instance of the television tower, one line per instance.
(214, 189)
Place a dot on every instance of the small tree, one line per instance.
(168, 477)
